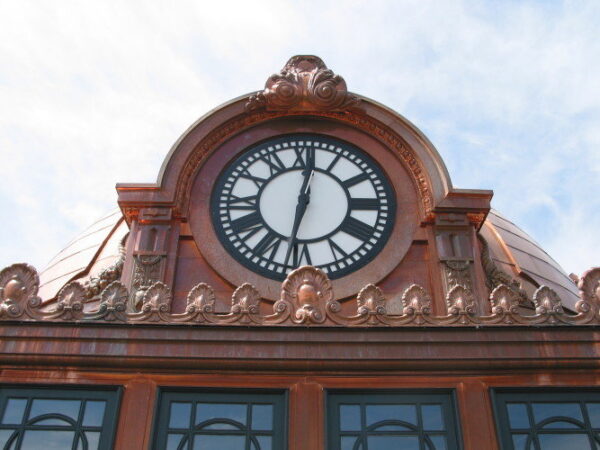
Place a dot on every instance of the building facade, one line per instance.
(303, 275)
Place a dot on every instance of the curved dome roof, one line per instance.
(86, 256)
(511, 251)
(514, 252)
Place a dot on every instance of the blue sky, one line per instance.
(95, 93)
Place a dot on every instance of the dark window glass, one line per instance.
(548, 420)
(48, 418)
(221, 420)
(377, 420)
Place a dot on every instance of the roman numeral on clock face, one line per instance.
(357, 228)
(365, 203)
(355, 180)
(301, 255)
(303, 157)
(242, 203)
(274, 162)
(269, 244)
(258, 181)
(337, 251)
(246, 222)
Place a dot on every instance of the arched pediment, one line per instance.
(304, 89)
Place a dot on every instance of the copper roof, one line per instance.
(517, 254)
(96, 248)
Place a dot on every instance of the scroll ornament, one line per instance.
(304, 83)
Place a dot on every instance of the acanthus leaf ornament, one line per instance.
(18, 284)
(113, 303)
(460, 302)
(201, 299)
(70, 301)
(245, 300)
(156, 302)
(415, 300)
(504, 299)
(370, 300)
(547, 301)
(304, 83)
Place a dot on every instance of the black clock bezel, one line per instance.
(351, 149)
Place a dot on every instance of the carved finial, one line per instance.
(201, 298)
(245, 299)
(504, 299)
(304, 83)
(310, 291)
(459, 300)
(547, 301)
(416, 301)
(370, 300)
(18, 284)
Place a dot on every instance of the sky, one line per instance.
(95, 93)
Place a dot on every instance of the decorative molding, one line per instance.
(494, 276)
(146, 272)
(476, 219)
(458, 272)
(154, 215)
(307, 298)
(358, 120)
(305, 83)
(95, 285)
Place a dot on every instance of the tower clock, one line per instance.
(303, 199)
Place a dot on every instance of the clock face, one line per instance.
(303, 199)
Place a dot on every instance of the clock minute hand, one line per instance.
(303, 201)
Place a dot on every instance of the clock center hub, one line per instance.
(326, 211)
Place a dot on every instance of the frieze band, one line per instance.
(307, 298)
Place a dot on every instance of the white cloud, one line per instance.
(95, 93)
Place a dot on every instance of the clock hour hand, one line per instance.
(303, 201)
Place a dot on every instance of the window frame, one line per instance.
(111, 394)
(579, 395)
(446, 397)
(160, 425)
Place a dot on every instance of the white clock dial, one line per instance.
(303, 199)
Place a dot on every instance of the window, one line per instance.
(48, 418)
(221, 420)
(548, 420)
(392, 420)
